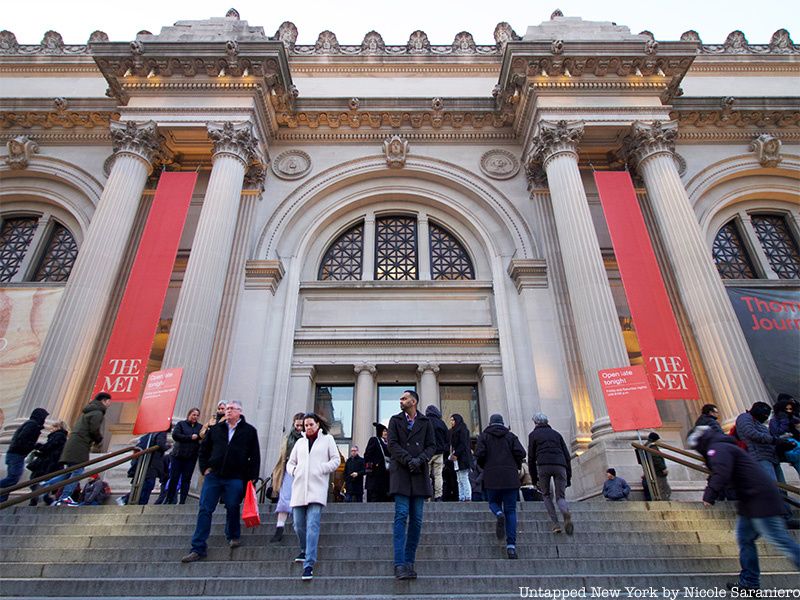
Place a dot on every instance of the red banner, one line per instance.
(158, 401)
(124, 364)
(629, 399)
(662, 347)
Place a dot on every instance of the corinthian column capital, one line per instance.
(233, 139)
(555, 138)
(141, 140)
(646, 140)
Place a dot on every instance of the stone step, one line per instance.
(324, 582)
(378, 568)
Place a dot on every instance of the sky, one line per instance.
(396, 19)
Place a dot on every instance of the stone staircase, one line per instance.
(133, 552)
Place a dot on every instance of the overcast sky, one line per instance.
(396, 19)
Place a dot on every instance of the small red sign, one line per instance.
(158, 401)
(629, 399)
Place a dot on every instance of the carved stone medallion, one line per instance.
(395, 148)
(292, 164)
(499, 164)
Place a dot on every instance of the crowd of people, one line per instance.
(413, 459)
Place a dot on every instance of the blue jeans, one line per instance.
(147, 489)
(180, 471)
(505, 502)
(407, 509)
(67, 490)
(15, 467)
(306, 526)
(773, 529)
(231, 491)
(773, 470)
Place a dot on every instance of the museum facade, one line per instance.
(371, 218)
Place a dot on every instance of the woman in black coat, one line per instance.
(184, 455)
(460, 455)
(46, 458)
(376, 457)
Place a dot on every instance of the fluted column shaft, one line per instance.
(729, 364)
(191, 337)
(428, 385)
(597, 325)
(365, 405)
(67, 351)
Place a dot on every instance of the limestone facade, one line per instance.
(370, 217)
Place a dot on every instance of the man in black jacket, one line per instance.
(436, 462)
(500, 455)
(354, 470)
(411, 446)
(548, 458)
(229, 458)
(759, 503)
(709, 417)
(23, 442)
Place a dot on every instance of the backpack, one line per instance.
(739, 442)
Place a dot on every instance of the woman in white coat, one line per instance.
(313, 458)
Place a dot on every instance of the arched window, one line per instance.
(396, 248)
(730, 255)
(343, 259)
(396, 253)
(757, 245)
(449, 260)
(34, 248)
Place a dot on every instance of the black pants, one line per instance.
(181, 470)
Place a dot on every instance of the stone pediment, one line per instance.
(578, 30)
(215, 29)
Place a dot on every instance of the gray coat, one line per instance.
(760, 442)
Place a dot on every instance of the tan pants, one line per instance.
(437, 464)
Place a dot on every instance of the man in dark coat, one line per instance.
(548, 458)
(156, 465)
(660, 468)
(751, 428)
(437, 461)
(46, 455)
(709, 417)
(412, 443)
(354, 470)
(87, 431)
(500, 455)
(376, 459)
(760, 506)
(23, 442)
(229, 458)
(184, 455)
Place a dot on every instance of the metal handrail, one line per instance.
(652, 451)
(84, 475)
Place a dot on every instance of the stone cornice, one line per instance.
(528, 273)
(715, 112)
(23, 118)
(263, 275)
(398, 342)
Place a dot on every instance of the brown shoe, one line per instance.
(234, 543)
(191, 557)
(568, 526)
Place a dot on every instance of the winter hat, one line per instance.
(540, 419)
(379, 428)
(760, 411)
(653, 437)
(433, 411)
(496, 419)
(612, 472)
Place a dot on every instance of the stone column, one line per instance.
(368, 255)
(727, 358)
(365, 404)
(71, 341)
(194, 325)
(301, 392)
(597, 326)
(424, 248)
(428, 385)
(494, 395)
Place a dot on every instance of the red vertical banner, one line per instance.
(664, 354)
(124, 364)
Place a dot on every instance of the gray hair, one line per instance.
(540, 419)
(234, 403)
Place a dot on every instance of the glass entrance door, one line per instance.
(389, 400)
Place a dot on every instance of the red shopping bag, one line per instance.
(250, 510)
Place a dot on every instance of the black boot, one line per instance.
(277, 536)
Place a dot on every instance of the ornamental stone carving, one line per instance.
(232, 14)
(138, 139)
(556, 138)
(327, 43)
(504, 33)
(781, 42)
(20, 151)
(60, 104)
(52, 43)
(373, 43)
(736, 43)
(557, 47)
(368, 367)
(255, 177)
(499, 164)
(233, 139)
(646, 140)
(292, 164)
(768, 150)
(690, 36)
(556, 13)
(428, 366)
(8, 42)
(98, 36)
(650, 47)
(418, 43)
(287, 34)
(395, 148)
(463, 43)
